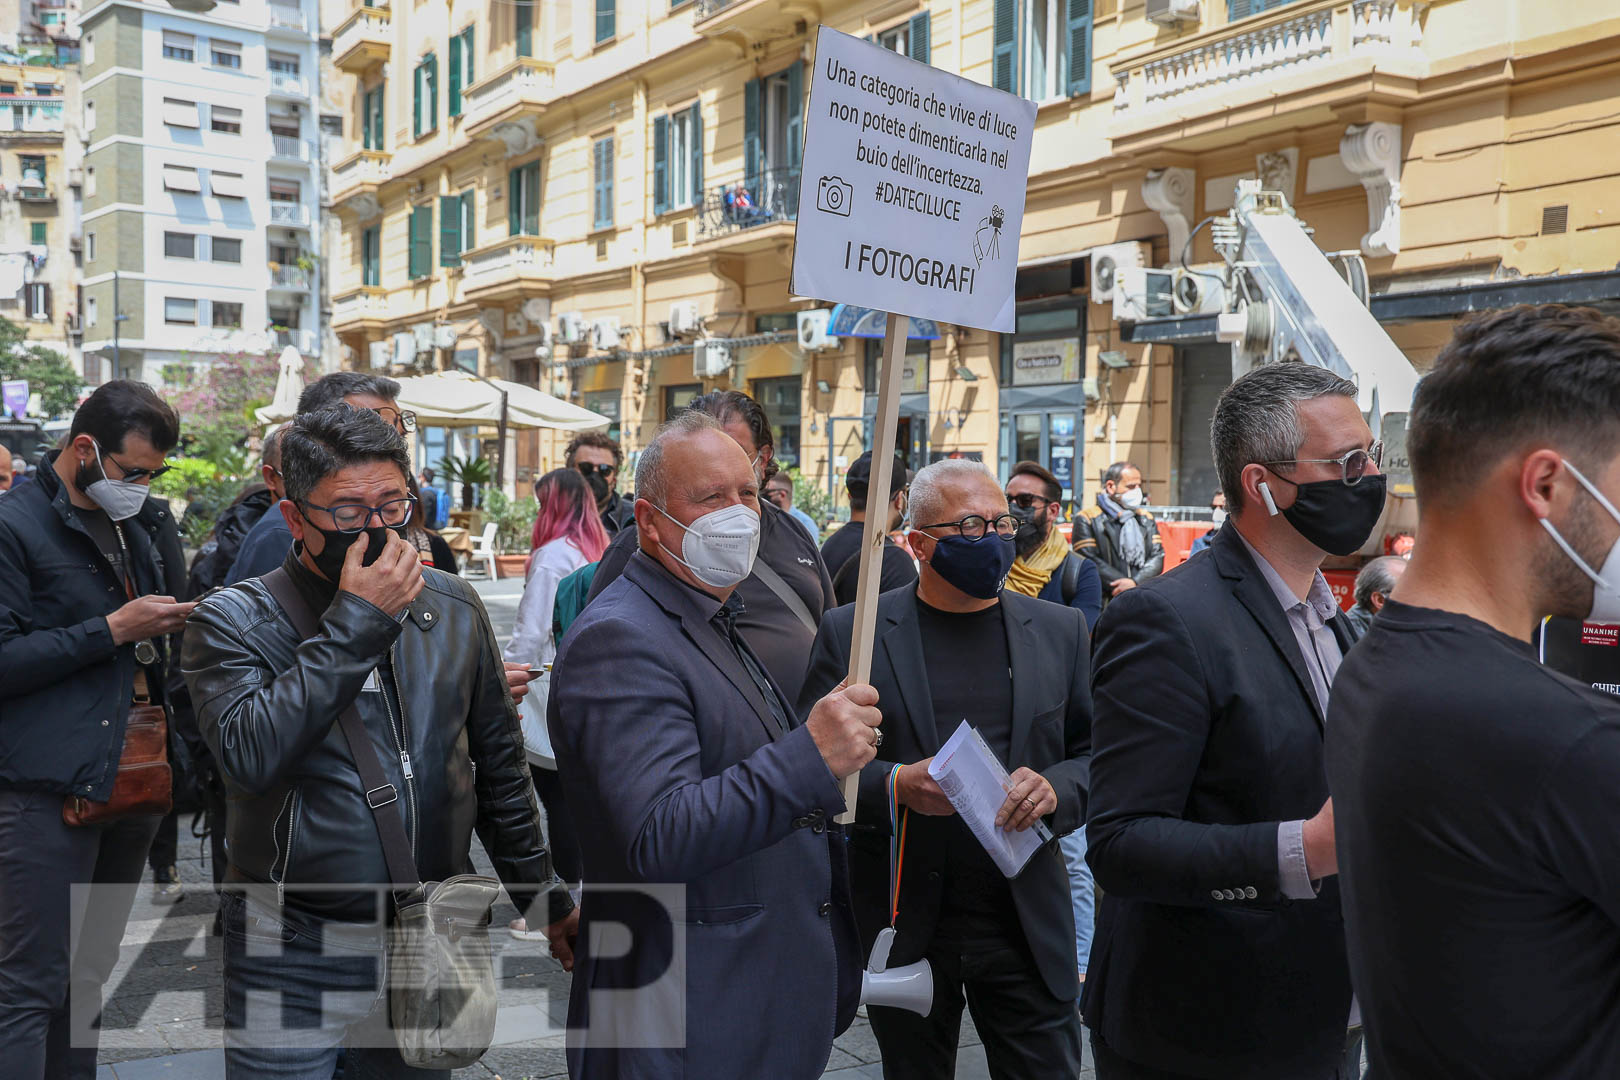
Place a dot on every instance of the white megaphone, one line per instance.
(910, 987)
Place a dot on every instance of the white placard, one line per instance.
(912, 195)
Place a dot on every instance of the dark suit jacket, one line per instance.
(675, 772)
(1051, 734)
(1207, 736)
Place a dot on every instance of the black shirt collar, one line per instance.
(317, 592)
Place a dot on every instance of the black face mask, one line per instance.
(1335, 516)
(330, 560)
(1030, 535)
(599, 488)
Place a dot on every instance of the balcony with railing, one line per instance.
(22, 114)
(358, 308)
(291, 214)
(507, 105)
(769, 198)
(302, 340)
(285, 85)
(287, 18)
(363, 40)
(288, 149)
(1315, 53)
(358, 179)
(289, 278)
(508, 269)
(716, 18)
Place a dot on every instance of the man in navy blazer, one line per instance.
(683, 765)
(1220, 948)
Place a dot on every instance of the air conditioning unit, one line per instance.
(444, 336)
(544, 331)
(605, 333)
(684, 318)
(711, 358)
(813, 336)
(1172, 12)
(1106, 263)
(404, 347)
(423, 333)
(380, 352)
(571, 328)
(1141, 293)
(1198, 290)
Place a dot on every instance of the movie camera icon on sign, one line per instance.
(833, 195)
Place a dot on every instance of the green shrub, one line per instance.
(513, 518)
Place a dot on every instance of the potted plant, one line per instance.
(514, 527)
(469, 472)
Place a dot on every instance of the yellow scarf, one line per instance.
(1029, 576)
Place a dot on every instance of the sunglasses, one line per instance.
(135, 474)
(1027, 501)
(586, 468)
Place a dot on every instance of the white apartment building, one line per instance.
(201, 184)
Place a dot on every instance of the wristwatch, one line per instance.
(145, 653)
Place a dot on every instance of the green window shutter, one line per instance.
(433, 93)
(1079, 42)
(660, 164)
(514, 202)
(374, 119)
(421, 241)
(467, 75)
(411, 269)
(369, 251)
(917, 37)
(604, 20)
(525, 27)
(604, 183)
(36, 232)
(1240, 9)
(1004, 24)
(455, 77)
(753, 144)
(449, 230)
(531, 198)
(469, 220)
(416, 102)
(697, 153)
(795, 117)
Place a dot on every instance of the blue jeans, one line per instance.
(1083, 892)
(298, 990)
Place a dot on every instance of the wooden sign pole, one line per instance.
(880, 488)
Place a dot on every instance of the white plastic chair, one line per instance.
(483, 551)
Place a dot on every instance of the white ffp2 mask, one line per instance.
(719, 547)
(1131, 498)
(1606, 582)
(119, 499)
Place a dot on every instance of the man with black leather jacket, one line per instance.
(412, 650)
(83, 614)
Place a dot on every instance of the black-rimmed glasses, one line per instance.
(974, 527)
(134, 473)
(404, 420)
(586, 468)
(354, 517)
(1352, 466)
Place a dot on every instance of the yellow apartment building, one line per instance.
(547, 192)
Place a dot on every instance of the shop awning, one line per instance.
(289, 387)
(774, 337)
(864, 322)
(460, 399)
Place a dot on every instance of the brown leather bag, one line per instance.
(144, 782)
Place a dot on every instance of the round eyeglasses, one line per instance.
(975, 527)
(1352, 466)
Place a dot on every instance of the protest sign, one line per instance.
(911, 197)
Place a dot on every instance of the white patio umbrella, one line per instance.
(461, 399)
(289, 386)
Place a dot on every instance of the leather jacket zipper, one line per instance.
(289, 806)
(399, 729)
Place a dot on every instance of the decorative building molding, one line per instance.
(1172, 194)
(365, 205)
(517, 135)
(1277, 169)
(1373, 152)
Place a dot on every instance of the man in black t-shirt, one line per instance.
(1478, 834)
(958, 648)
(841, 551)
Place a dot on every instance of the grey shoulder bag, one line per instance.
(441, 970)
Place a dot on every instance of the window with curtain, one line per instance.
(605, 20)
(455, 227)
(523, 200)
(602, 185)
(909, 38)
(178, 311)
(1041, 49)
(523, 16)
(678, 159)
(225, 314)
(371, 255)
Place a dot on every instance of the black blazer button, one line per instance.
(825, 909)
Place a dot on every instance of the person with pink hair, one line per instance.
(568, 534)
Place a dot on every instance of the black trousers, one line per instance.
(1111, 1066)
(560, 835)
(1026, 1031)
(50, 985)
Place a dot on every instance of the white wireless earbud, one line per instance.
(1271, 504)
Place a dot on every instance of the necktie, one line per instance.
(726, 622)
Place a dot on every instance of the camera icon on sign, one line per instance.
(833, 195)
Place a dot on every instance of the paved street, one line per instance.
(165, 1001)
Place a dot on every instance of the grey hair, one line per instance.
(1257, 419)
(1116, 472)
(329, 390)
(316, 445)
(927, 500)
(1376, 577)
(271, 453)
(651, 483)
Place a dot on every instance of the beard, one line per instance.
(1031, 538)
(1566, 590)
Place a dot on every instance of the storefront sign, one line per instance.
(1039, 362)
(912, 195)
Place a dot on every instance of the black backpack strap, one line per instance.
(380, 792)
(1071, 578)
